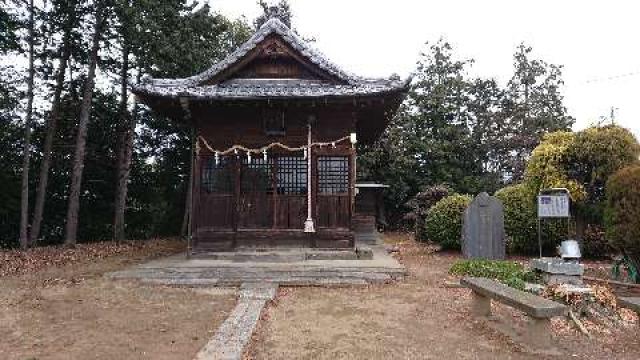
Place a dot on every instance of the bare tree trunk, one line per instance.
(125, 150)
(189, 200)
(48, 142)
(71, 229)
(26, 157)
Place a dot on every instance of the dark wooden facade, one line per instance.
(264, 202)
(274, 89)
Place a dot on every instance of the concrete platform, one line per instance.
(299, 271)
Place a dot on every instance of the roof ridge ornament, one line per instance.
(277, 13)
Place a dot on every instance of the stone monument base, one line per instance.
(558, 271)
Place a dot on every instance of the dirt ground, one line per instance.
(418, 318)
(73, 312)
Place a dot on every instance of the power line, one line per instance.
(613, 77)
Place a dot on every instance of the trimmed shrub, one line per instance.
(582, 162)
(596, 154)
(443, 224)
(507, 272)
(622, 214)
(520, 222)
(420, 205)
(594, 242)
(547, 166)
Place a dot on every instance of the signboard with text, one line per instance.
(553, 206)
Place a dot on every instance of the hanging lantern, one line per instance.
(353, 138)
(235, 151)
(264, 154)
(217, 157)
(333, 144)
(248, 157)
(305, 153)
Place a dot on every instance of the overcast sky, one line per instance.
(598, 42)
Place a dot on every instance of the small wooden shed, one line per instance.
(276, 125)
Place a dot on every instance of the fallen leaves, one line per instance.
(597, 310)
(19, 262)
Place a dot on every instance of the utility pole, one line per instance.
(613, 115)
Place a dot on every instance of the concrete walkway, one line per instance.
(178, 270)
(234, 334)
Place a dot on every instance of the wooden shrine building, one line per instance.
(276, 125)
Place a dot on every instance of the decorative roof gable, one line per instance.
(235, 76)
(269, 28)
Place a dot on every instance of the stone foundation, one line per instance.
(558, 271)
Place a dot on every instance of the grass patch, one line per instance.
(510, 273)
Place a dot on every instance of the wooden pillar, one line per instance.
(237, 168)
(195, 196)
(187, 221)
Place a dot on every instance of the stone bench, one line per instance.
(540, 310)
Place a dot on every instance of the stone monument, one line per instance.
(483, 229)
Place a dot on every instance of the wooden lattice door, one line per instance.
(256, 196)
(333, 199)
(216, 203)
(291, 194)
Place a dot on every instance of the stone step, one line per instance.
(368, 239)
(254, 272)
(277, 256)
(251, 256)
(264, 275)
(283, 281)
(237, 276)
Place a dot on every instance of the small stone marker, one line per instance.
(483, 228)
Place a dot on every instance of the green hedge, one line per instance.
(520, 222)
(622, 214)
(443, 224)
(508, 272)
(420, 205)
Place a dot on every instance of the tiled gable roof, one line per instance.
(194, 86)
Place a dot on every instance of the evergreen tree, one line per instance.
(467, 133)
(8, 27)
(71, 226)
(174, 38)
(534, 105)
(64, 19)
(28, 123)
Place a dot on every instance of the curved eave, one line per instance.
(253, 93)
(372, 121)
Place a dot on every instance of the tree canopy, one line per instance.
(163, 39)
(466, 132)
